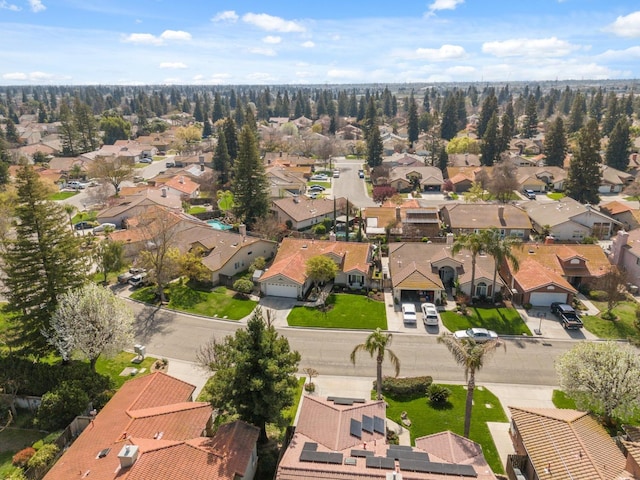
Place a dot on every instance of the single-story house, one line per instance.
(346, 438)
(130, 206)
(287, 275)
(285, 181)
(625, 253)
(510, 220)
(425, 178)
(301, 212)
(151, 428)
(613, 180)
(623, 213)
(409, 220)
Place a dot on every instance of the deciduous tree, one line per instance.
(503, 181)
(109, 257)
(320, 269)
(112, 171)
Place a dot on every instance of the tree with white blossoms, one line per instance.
(602, 377)
(90, 321)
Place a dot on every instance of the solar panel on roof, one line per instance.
(310, 446)
(406, 454)
(309, 456)
(320, 457)
(380, 462)
(361, 453)
(350, 461)
(401, 447)
(367, 423)
(378, 425)
(333, 457)
(433, 467)
(356, 428)
(343, 401)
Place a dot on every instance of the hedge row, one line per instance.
(405, 385)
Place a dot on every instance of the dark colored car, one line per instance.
(84, 225)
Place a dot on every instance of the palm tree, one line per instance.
(377, 344)
(475, 242)
(470, 355)
(500, 249)
(69, 210)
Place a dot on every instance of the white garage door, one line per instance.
(541, 299)
(278, 290)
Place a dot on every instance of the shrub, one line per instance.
(310, 387)
(598, 295)
(438, 394)
(527, 306)
(21, 458)
(16, 475)
(320, 229)
(243, 286)
(43, 457)
(405, 386)
(61, 405)
(258, 264)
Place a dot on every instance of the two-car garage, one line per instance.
(281, 290)
(544, 299)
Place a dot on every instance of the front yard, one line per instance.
(621, 328)
(344, 310)
(220, 303)
(427, 419)
(505, 321)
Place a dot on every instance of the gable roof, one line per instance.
(485, 215)
(304, 208)
(567, 443)
(556, 213)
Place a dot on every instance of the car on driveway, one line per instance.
(429, 314)
(146, 160)
(476, 334)
(530, 194)
(103, 226)
(321, 177)
(316, 188)
(569, 319)
(84, 225)
(409, 313)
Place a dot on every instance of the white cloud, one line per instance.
(176, 35)
(461, 70)
(303, 74)
(272, 39)
(631, 52)
(40, 76)
(260, 76)
(36, 6)
(197, 78)
(226, 16)
(344, 74)
(271, 23)
(268, 52)
(32, 77)
(174, 65)
(308, 44)
(445, 52)
(626, 26)
(15, 76)
(529, 47)
(143, 39)
(4, 5)
(443, 5)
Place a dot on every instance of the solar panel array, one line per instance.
(378, 425)
(361, 453)
(367, 423)
(345, 400)
(321, 457)
(310, 446)
(380, 462)
(433, 467)
(407, 455)
(356, 428)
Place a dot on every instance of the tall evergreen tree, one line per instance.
(413, 129)
(41, 263)
(218, 114)
(448, 127)
(595, 109)
(577, 114)
(68, 132)
(612, 114)
(221, 159)
(375, 149)
(86, 125)
(584, 175)
(249, 180)
(231, 138)
(530, 127)
(11, 132)
(490, 148)
(617, 154)
(489, 108)
(555, 143)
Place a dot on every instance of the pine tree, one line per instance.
(617, 155)
(490, 148)
(489, 108)
(413, 129)
(555, 143)
(530, 127)
(249, 180)
(584, 175)
(11, 132)
(221, 160)
(41, 263)
(595, 109)
(375, 149)
(448, 127)
(231, 137)
(68, 131)
(578, 113)
(612, 115)
(86, 125)
(217, 108)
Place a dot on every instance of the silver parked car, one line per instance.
(478, 335)
(429, 314)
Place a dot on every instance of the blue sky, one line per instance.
(315, 42)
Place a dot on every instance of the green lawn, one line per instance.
(622, 328)
(221, 303)
(12, 440)
(560, 400)
(345, 311)
(505, 321)
(290, 413)
(555, 195)
(112, 367)
(197, 209)
(322, 184)
(89, 216)
(61, 195)
(426, 420)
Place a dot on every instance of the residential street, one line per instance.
(525, 361)
(348, 185)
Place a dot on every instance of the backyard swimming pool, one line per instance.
(218, 225)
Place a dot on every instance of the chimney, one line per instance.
(634, 157)
(332, 236)
(398, 216)
(242, 229)
(182, 179)
(450, 238)
(501, 212)
(164, 192)
(280, 153)
(201, 159)
(128, 456)
(549, 240)
(202, 167)
(617, 247)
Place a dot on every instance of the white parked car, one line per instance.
(478, 335)
(429, 314)
(319, 178)
(103, 226)
(409, 313)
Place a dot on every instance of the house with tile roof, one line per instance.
(425, 271)
(135, 204)
(625, 253)
(623, 213)
(553, 272)
(510, 220)
(287, 275)
(410, 220)
(286, 181)
(182, 186)
(569, 220)
(541, 179)
(346, 438)
(613, 180)
(563, 444)
(301, 212)
(424, 178)
(151, 428)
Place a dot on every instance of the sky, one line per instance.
(80, 42)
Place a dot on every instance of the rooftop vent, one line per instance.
(128, 455)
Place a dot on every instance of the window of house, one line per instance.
(481, 289)
(236, 265)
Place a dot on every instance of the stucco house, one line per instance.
(625, 253)
(130, 206)
(426, 179)
(287, 275)
(510, 220)
(301, 212)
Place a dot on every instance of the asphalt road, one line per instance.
(524, 361)
(349, 185)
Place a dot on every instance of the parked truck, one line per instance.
(568, 317)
